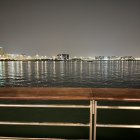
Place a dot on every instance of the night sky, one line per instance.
(77, 27)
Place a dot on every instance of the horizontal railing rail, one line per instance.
(64, 124)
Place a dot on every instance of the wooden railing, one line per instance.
(91, 94)
(41, 93)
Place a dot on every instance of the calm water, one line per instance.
(70, 74)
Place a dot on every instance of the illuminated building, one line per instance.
(1, 51)
(63, 57)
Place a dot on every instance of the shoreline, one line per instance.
(65, 60)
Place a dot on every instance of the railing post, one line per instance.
(91, 120)
(95, 118)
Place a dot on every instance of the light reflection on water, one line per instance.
(70, 74)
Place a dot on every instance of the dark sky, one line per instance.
(77, 27)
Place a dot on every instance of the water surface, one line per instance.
(70, 74)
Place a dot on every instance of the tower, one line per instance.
(1, 51)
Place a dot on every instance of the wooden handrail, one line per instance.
(43, 93)
(116, 94)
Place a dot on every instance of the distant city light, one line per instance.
(60, 57)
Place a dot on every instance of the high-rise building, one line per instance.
(99, 57)
(63, 56)
(1, 51)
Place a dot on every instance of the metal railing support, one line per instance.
(96, 107)
(89, 94)
(90, 107)
(91, 120)
(95, 118)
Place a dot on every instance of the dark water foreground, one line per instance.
(69, 74)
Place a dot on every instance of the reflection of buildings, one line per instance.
(63, 57)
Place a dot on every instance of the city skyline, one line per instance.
(60, 57)
(81, 28)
